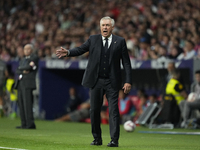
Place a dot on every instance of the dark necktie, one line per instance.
(106, 44)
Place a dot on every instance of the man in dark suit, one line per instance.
(25, 85)
(103, 76)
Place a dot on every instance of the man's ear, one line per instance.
(113, 27)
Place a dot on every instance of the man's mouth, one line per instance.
(105, 31)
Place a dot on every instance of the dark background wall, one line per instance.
(54, 90)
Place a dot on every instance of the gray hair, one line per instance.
(31, 46)
(108, 18)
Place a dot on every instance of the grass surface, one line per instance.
(51, 135)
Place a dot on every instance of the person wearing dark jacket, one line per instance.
(25, 85)
(103, 76)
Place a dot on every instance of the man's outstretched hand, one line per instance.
(127, 88)
(61, 52)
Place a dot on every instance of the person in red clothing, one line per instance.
(143, 103)
(126, 109)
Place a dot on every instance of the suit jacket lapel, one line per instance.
(99, 47)
(23, 62)
(112, 46)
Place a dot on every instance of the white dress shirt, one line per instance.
(189, 55)
(109, 40)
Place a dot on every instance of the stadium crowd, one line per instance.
(153, 29)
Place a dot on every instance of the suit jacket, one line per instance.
(118, 51)
(28, 79)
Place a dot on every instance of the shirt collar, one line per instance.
(27, 57)
(109, 38)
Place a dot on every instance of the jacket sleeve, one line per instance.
(80, 50)
(28, 67)
(126, 63)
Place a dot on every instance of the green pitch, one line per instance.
(51, 135)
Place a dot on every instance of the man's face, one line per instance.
(197, 77)
(27, 50)
(106, 28)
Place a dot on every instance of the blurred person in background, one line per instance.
(174, 53)
(165, 42)
(47, 53)
(177, 90)
(143, 49)
(189, 51)
(40, 54)
(170, 68)
(25, 84)
(3, 76)
(196, 40)
(73, 102)
(20, 53)
(194, 103)
(143, 104)
(162, 54)
(153, 51)
(152, 99)
(126, 109)
(5, 56)
(77, 115)
(198, 54)
(12, 94)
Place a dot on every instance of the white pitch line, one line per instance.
(157, 138)
(11, 148)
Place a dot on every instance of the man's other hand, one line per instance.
(127, 88)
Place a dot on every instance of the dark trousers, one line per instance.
(25, 102)
(103, 86)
